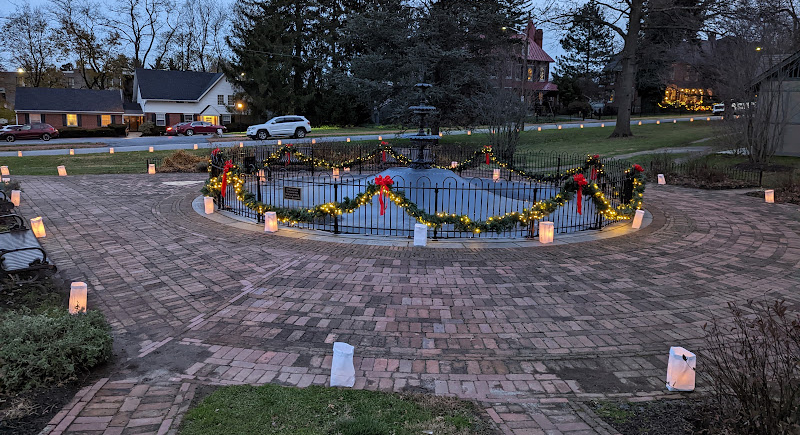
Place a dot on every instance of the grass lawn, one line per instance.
(133, 162)
(596, 141)
(272, 409)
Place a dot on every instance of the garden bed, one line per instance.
(657, 417)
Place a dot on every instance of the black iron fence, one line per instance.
(702, 172)
(480, 192)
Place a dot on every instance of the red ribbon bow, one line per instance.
(488, 152)
(383, 153)
(580, 180)
(638, 168)
(596, 159)
(384, 182)
(215, 152)
(228, 167)
(288, 154)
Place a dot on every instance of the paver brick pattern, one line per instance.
(530, 333)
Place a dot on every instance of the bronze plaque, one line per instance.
(291, 193)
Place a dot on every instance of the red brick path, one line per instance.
(532, 334)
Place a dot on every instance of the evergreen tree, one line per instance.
(589, 46)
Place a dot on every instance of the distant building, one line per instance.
(168, 97)
(60, 107)
(11, 80)
(536, 86)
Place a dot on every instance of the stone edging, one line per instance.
(236, 221)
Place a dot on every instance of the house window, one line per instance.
(188, 117)
(530, 74)
(542, 74)
(105, 120)
(226, 119)
(35, 118)
(161, 119)
(72, 120)
(231, 99)
(221, 100)
(70, 82)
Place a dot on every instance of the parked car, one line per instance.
(199, 127)
(173, 129)
(296, 126)
(718, 109)
(9, 127)
(29, 131)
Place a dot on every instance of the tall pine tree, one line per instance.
(589, 46)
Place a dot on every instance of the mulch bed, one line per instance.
(728, 183)
(658, 417)
(782, 195)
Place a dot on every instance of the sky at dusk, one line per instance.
(551, 36)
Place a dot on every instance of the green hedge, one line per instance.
(45, 349)
(113, 130)
(148, 128)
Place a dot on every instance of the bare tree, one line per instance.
(28, 38)
(198, 36)
(97, 54)
(139, 24)
(626, 18)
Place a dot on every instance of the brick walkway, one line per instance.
(532, 334)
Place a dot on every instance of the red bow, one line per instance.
(383, 153)
(288, 154)
(488, 152)
(580, 180)
(384, 182)
(215, 152)
(638, 168)
(228, 167)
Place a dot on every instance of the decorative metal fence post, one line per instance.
(335, 199)
(435, 208)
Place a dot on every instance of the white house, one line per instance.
(169, 97)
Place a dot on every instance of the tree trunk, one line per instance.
(627, 77)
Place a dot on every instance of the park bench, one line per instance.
(22, 258)
(5, 203)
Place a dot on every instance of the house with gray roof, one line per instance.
(59, 107)
(168, 97)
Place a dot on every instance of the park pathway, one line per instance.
(531, 334)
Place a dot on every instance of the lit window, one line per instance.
(35, 118)
(161, 119)
(541, 74)
(72, 120)
(221, 100)
(105, 120)
(530, 74)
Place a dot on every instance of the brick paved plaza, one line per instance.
(531, 334)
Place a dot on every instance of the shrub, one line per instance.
(70, 132)
(119, 129)
(148, 128)
(753, 369)
(577, 107)
(50, 348)
(237, 127)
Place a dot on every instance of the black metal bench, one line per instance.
(5, 203)
(22, 258)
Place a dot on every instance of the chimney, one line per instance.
(537, 38)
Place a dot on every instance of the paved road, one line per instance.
(184, 142)
(532, 334)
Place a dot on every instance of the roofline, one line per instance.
(168, 100)
(65, 111)
(208, 89)
(776, 67)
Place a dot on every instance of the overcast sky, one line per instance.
(551, 36)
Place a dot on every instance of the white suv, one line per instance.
(295, 126)
(718, 109)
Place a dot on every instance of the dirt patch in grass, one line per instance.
(55, 146)
(182, 161)
(658, 417)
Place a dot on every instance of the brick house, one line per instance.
(59, 107)
(536, 85)
(170, 97)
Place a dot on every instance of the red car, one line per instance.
(173, 129)
(30, 131)
(199, 127)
